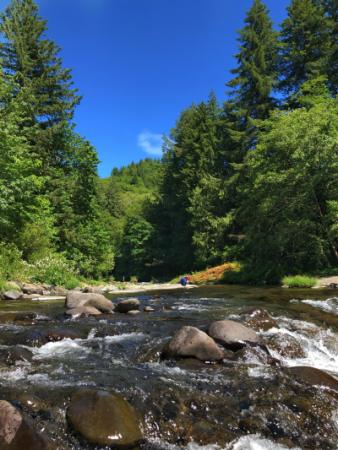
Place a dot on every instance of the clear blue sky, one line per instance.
(138, 63)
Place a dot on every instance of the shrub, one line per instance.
(11, 264)
(54, 269)
(299, 281)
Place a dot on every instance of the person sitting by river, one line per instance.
(184, 281)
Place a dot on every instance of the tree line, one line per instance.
(253, 179)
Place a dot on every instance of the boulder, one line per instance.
(18, 353)
(28, 288)
(59, 290)
(76, 299)
(233, 335)
(104, 419)
(315, 377)
(96, 289)
(12, 295)
(192, 342)
(83, 311)
(17, 433)
(129, 304)
(260, 320)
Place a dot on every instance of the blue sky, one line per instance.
(138, 63)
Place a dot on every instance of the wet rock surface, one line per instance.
(80, 299)
(16, 433)
(190, 341)
(130, 304)
(232, 334)
(260, 320)
(104, 418)
(246, 397)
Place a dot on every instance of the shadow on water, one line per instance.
(242, 403)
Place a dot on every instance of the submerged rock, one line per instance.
(16, 432)
(77, 299)
(232, 334)
(260, 320)
(315, 377)
(129, 304)
(192, 342)
(81, 311)
(103, 419)
(287, 346)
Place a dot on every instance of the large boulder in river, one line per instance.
(76, 299)
(233, 335)
(17, 433)
(192, 342)
(104, 419)
(315, 377)
(129, 304)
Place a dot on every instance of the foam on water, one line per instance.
(62, 348)
(260, 372)
(329, 305)
(319, 345)
(255, 442)
(249, 442)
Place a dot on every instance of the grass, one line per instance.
(299, 281)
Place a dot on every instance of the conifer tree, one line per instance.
(33, 61)
(256, 71)
(305, 45)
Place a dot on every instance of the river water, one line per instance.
(244, 403)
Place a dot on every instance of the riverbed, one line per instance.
(245, 402)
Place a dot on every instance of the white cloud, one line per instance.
(151, 143)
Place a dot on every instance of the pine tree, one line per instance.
(256, 71)
(33, 62)
(305, 45)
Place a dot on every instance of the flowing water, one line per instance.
(243, 403)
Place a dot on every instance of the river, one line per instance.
(243, 403)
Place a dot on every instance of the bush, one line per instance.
(12, 267)
(299, 281)
(54, 269)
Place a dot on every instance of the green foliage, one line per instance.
(11, 265)
(54, 269)
(289, 200)
(305, 45)
(133, 257)
(299, 281)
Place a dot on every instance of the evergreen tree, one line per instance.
(305, 45)
(33, 62)
(256, 71)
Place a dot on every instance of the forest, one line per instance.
(251, 178)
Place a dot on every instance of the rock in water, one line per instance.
(190, 341)
(260, 320)
(12, 295)
(76, 299)
(316, 377)
(104, 419)
(129, 304)
(232, 334)
(17, 433)
(83, 311)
